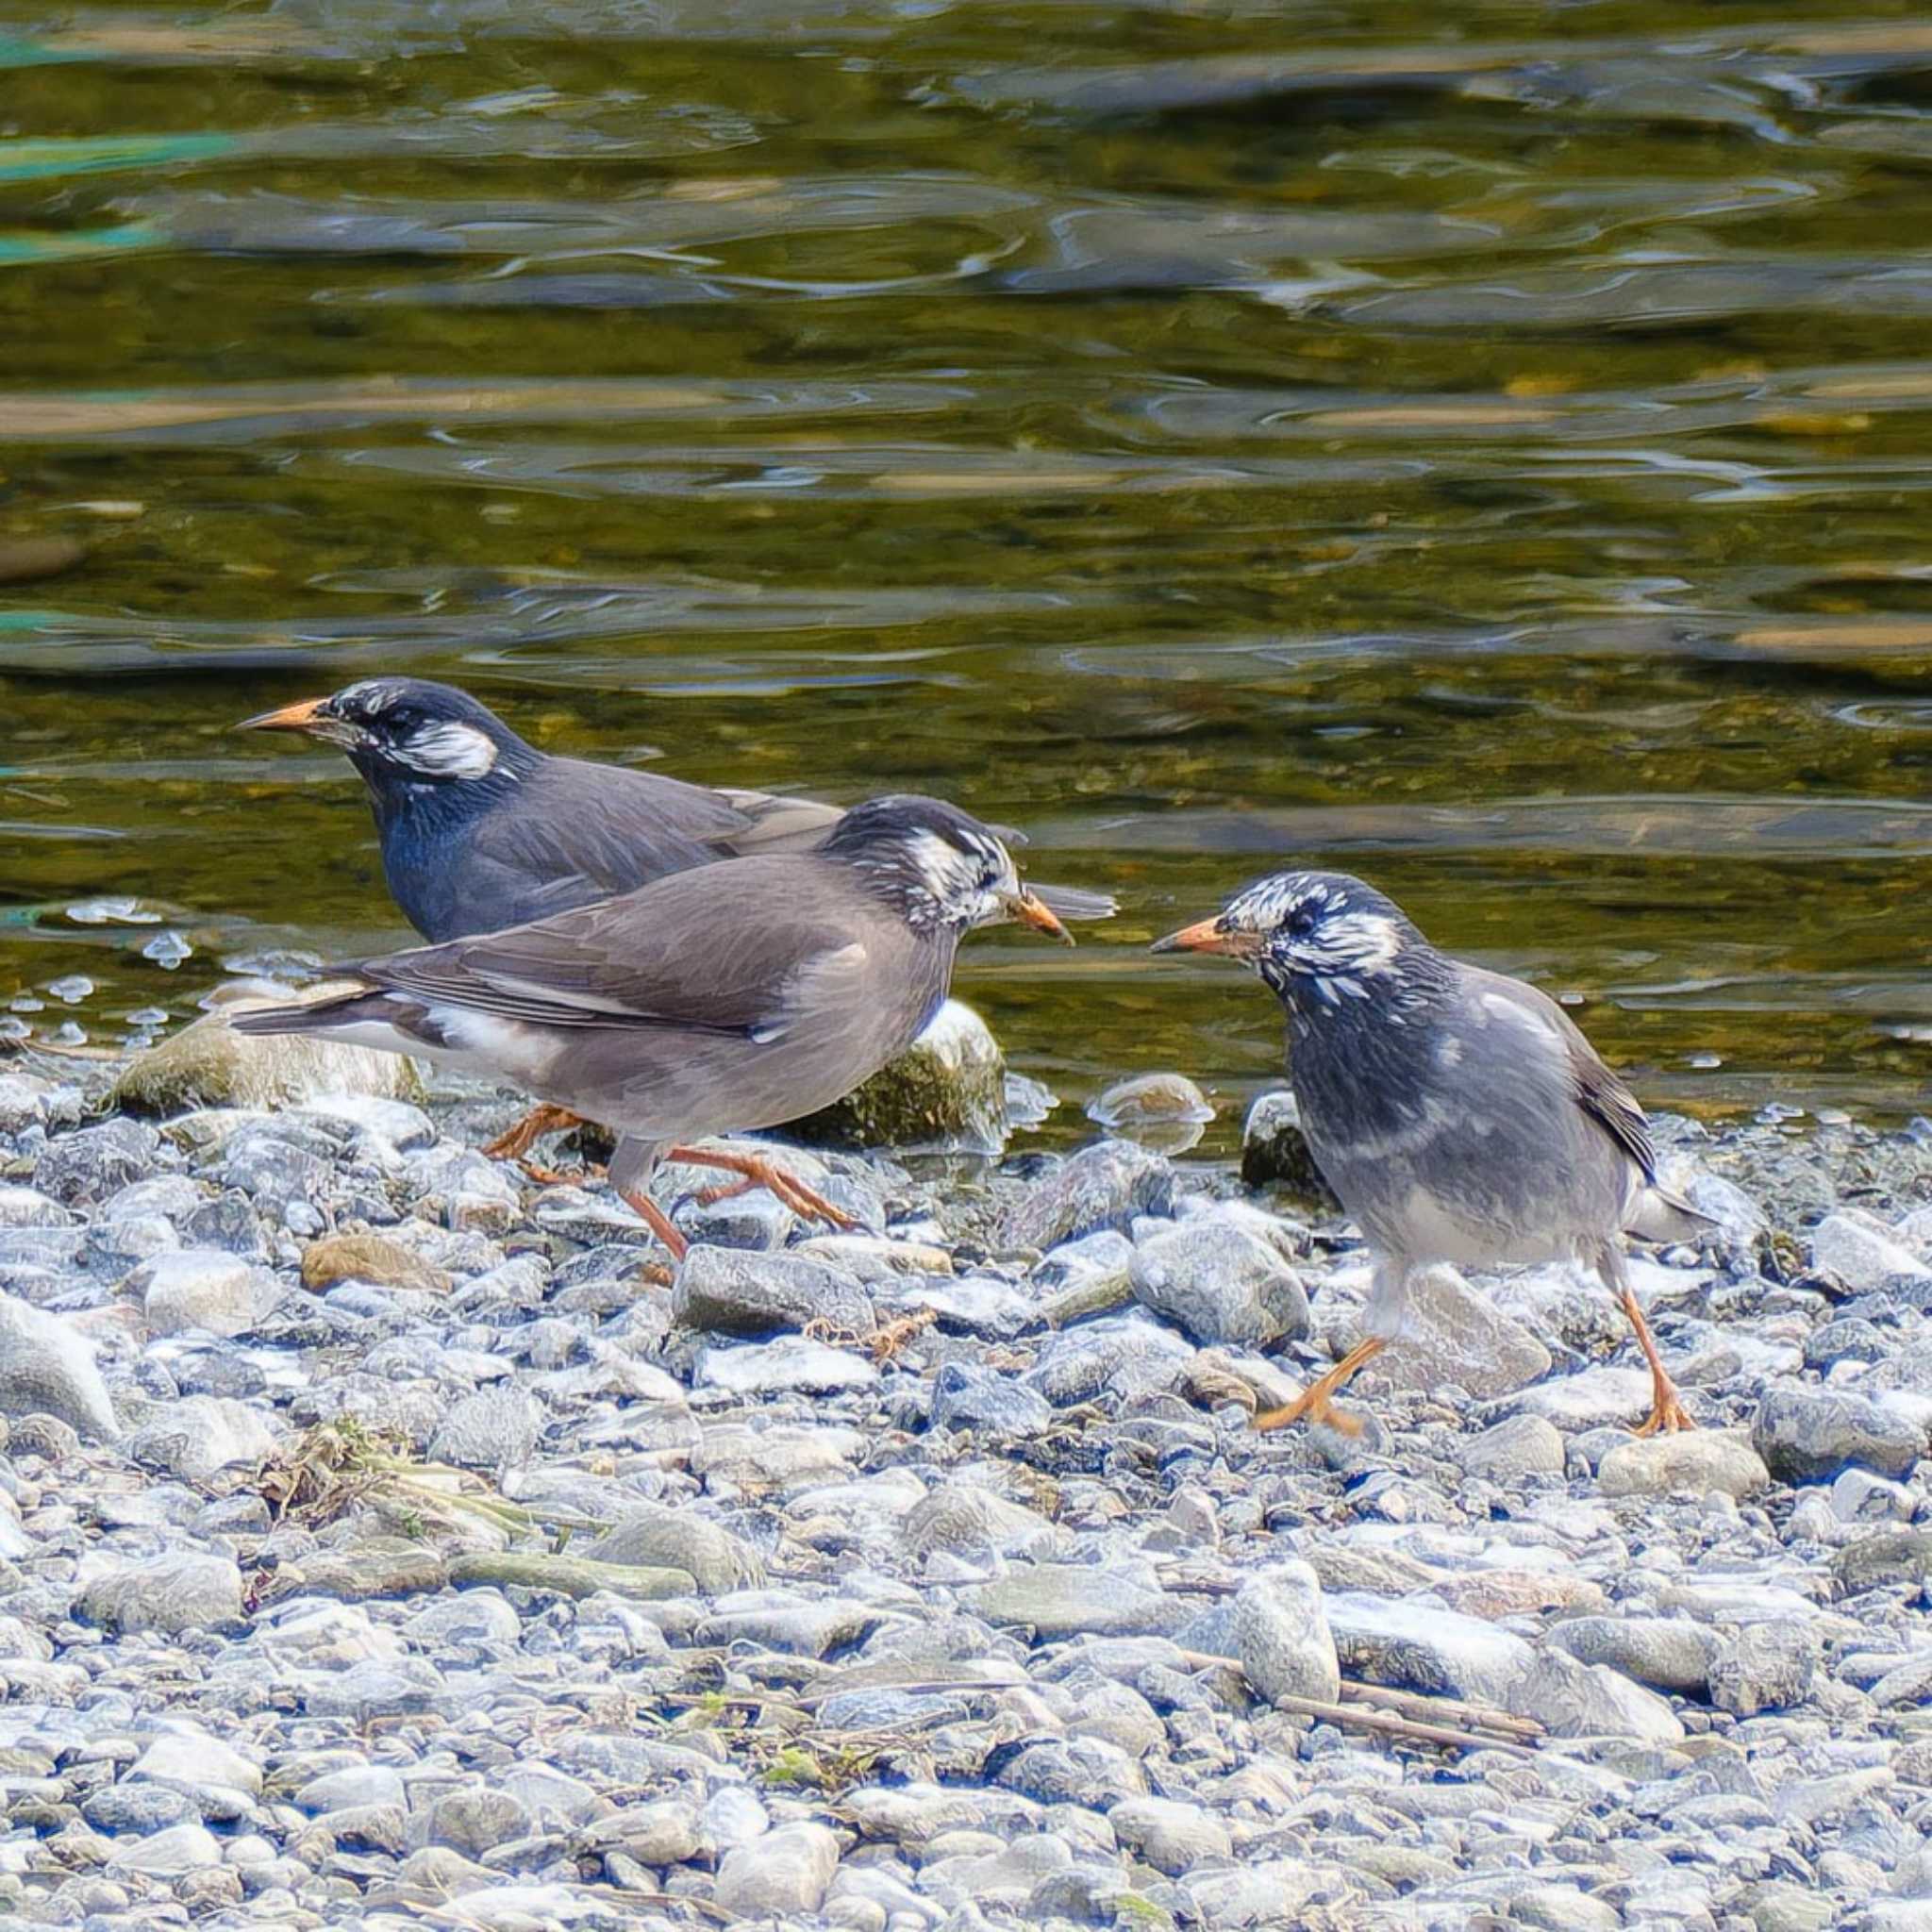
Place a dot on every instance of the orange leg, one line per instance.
(654, 1217)
(1667, 1412)
(761, 1171)
(1313, 1402)
(517, 1141)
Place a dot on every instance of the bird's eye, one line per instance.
(1302, 922)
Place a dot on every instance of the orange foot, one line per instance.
(1313, 1404)
(1667, 1412)
(761, 1171)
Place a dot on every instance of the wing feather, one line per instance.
(1599, 1092)
(720, 950)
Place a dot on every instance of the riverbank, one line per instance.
(378, 1548)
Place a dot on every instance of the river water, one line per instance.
(1488, 449)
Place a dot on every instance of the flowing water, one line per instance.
(1485, 447)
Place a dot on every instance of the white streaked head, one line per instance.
(1324, 934)
(409, 731)
(937, 864)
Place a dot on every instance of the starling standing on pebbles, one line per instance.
(481, 831)
(738, 995)
(1458, 1114)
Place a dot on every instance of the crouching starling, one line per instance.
(1458, 1114)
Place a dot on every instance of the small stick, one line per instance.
(1420, 1705)
(1390, 1724)
(919, 1688)
(1414, 1702)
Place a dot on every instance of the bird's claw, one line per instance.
(522, 1135)
(761, 1171)
(561, 1177)
(1314, 1409)
(1667, 1415)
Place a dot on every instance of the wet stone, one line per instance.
(1103, 1186)
(1218, 1282)
(987, 1402)
(1810, 1436)
(730, 1292)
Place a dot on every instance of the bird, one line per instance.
(479, 830)
(732, 996)
(1458, 1114)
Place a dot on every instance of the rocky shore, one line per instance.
(378, 1548)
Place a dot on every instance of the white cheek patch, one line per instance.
(1361, 942)
(449, 751)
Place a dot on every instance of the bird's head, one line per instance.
(1312, 936)
(937, 865)
(406, 731)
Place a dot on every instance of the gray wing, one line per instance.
(1603, 1097)
(798, 824)
(699, 951)
(771, 824)
(578, 832)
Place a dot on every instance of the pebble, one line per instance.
(48, 1368)
(1031, 1582)
(1810, 1436)
(205, 1289)
(788, 1870)
(1064, 1600)
(1280, 1633)
(1276, 1151)
(1172, 1835)
(1764, 1667)
(1863, 1252)
(1452, 1334)
(1218, 1282)
(1698, 1461)
(1103, 1186)
(732, 1292)
(173, 1591)
(987, 1402)
(1523, 1445)
(1667, 1652)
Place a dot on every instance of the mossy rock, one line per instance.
(208, 1064)
(947, 1090)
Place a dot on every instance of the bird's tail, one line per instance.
(1659, 1216)
(1075, 902)
(316, 1016)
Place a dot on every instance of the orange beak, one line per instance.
(305, 716)
(1207, 936)
(313, 719)
(1032, 910)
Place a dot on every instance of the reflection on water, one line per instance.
(1497, 464)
